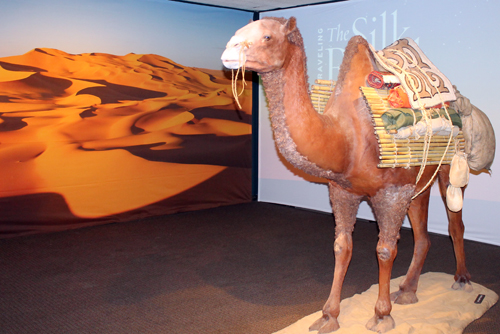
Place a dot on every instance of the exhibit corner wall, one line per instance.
(117, 110)
(459, 36)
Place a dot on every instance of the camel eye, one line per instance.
(267, 38)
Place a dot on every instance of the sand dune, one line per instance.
(114, 133)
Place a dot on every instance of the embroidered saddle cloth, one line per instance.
(425, 85)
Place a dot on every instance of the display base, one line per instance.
(440, 309)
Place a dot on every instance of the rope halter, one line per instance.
(242, 58)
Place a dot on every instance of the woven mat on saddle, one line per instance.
(409, 98)
(406, 139)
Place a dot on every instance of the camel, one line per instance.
(340, 146)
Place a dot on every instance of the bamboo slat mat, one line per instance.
(406, 152)
(320, 93)
(393, 152)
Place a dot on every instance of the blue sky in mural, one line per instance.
(181, 32)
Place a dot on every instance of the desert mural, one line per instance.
(94, 137)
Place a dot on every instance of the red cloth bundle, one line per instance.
(376, 80)
(398, 98)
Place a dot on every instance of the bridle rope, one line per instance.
(242, 58)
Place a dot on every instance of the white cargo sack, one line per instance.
(454, 199)
(459, 177)
(459, 170)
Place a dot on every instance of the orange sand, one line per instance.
(65, 121)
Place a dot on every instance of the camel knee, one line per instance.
(383, 253)
(386, 252)
(342, 245)
(337, 248)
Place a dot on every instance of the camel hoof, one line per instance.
(325, 324)
(465, 286)
(404, 298)
(381, 325)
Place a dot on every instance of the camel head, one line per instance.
(260, 46)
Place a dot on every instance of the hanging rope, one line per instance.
(242, 58)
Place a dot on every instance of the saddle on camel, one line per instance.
(392, 124)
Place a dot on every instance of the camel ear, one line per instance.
(291, 24)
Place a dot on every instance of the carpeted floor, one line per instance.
(250, 268)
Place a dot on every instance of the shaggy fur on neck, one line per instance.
(274, 87)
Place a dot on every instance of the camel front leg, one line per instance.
(390, 206)
(345, 206)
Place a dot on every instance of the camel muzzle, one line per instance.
(234, 56)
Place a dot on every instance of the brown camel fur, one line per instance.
(340, 146)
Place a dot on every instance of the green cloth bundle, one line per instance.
(395, 119)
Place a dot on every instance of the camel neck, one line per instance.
(293, 117)
(291, 87)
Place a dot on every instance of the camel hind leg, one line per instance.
(456, 228)
(418, 214)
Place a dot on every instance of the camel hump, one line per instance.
(352, 46)
(350, 50)
(355, 40)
